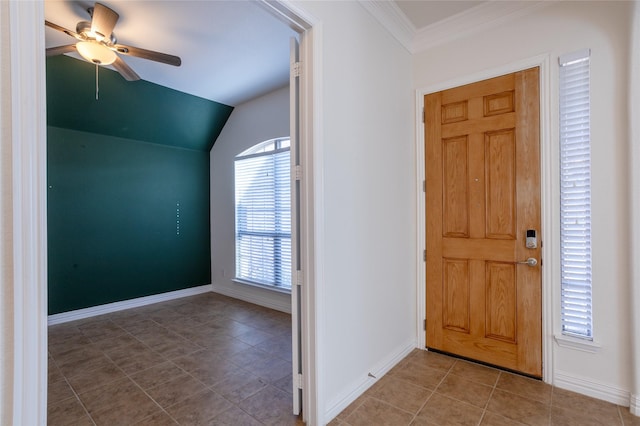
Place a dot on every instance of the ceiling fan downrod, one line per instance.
(97, 89)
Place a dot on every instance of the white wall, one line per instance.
(634, 155)
(6, 246)
(23, 220)
(261, 119)
(558, 28)
(365, 189)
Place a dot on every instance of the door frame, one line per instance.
(26, 368)
(548, 160)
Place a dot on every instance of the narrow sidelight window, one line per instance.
(575, 195)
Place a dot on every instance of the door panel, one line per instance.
(482, 167)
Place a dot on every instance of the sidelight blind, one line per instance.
(263, 215)
(575, 195)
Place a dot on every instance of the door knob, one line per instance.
(530, 262)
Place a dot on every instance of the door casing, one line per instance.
(548, 191)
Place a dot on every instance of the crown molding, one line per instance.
(479, 18)
(393, 19)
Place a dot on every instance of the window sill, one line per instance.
(263, 286)
(577, 344)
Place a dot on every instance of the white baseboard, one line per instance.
(125, 304)
(634, 404)
(269, 299)
(592, 388)
(353, 392)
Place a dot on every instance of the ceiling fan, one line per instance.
(98, 44)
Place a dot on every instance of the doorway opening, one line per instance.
(29, 156)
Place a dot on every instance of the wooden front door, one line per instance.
(482, 152)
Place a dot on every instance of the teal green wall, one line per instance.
(112, 213)
(137, 110)
(117, 170)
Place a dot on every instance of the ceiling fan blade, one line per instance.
(125, 70)
(149, 54)
(62, 29)
(59, 50)
(103, 20)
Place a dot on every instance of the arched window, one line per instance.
(263, 214)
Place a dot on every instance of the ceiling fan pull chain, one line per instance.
(96, 81)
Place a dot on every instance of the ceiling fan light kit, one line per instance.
(95, 52)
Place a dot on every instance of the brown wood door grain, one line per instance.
(482, 162)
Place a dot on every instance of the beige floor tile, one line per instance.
(120, 402)
(143, 327)
(461, 389)
(59, 391)
(628, 419)
(67, 412)
(269, 406)
(231, 327)
(373, 411)
(271, 369)
(492, 419)
(75, 360)
(229, 348)
(285, 384)
(476, 372)
(249, 357)
(279, 346)
(401, 394)
(418, 372)
(515, 407)
(603, 411)
(524, 386)
(65, 339)
(433, 359)
(175, 390)
(444, 411)
(234, 417)
(53, 372)
(101, 330)
(157, 375)
(103, 374)
(159, 419)
(254, 336)
(240, 385)
(175, 349)
(352, 407)
(119, 352)
(199, 409)
(207, 336)
(567, 417)
(194, 360)
(141, 361)
(86, 367)
(242, 353)
(209, 369)
(115, 343)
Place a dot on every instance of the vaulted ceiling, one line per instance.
(231, 51)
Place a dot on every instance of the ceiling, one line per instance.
(231, 51)
(422, 13)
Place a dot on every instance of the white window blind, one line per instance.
(263, 214)
(575, 195)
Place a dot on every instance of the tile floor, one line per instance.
(427, 388)
(213, 360)
(206, 359)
